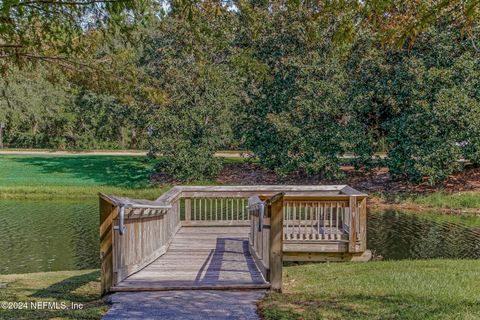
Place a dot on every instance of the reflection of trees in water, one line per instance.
(48, 236)
(85, 241)
(37, 241)
(396, 235)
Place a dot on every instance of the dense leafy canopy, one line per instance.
(298, 83)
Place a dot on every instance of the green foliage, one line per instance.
(424, 100)
(197, 87)
(297, 118)
(55, 31)
(39, 113)
(297, 85)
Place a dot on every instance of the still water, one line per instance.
(37, 236)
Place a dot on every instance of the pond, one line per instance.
(39, 236)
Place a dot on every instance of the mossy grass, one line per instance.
(421, 289)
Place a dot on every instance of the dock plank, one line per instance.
(201, 257)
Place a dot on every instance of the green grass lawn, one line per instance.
(423, 289)
(79, 176)
(81, 287)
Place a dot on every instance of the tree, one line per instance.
(296, 117)
(422, 100)
(190, 111)
(54, 30)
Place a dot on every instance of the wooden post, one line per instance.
(107, 213)
(363, 225)
(353, 224)
(276, 242)
(188, 209)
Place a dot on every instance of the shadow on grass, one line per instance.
(66, 289)
(363, 306)
(126, 172)
(71, 290)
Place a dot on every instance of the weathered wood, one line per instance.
(200, 257)
(353, 224)
(155, 287)
(107, 213)
(188, 209)
(213, 223)
(328, 257)
(276, 241)
(317, 246)
(323, 222)
(363, 225)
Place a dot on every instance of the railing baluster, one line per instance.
(322, 220)
(205, 209)
(221, 208)
(305, 214)
(238, 208)
(287, 206)
(331, 220)
(311, 221)
(194, 208)
(244, 208)
(337, 233)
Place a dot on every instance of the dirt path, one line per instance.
(185, 305)
(32, 152)
(74, 153)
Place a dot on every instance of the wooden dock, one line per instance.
(201, 258)
(227, 237)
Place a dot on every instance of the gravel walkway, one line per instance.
(185, 305)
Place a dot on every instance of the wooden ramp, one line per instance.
(201, 258)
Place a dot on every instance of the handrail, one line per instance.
(263, 190)
(135, 203)
(153, 224)
(166, 199)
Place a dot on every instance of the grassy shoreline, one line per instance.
(407, 289)
(80, 193)
(83, 176)
(421, 289)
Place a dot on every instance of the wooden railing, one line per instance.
(315, 220)
(266, 237)
(319, 224)
(214, 210)
(132, 235)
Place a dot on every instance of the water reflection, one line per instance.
(38, 236)
(48, 236)
(398, 235)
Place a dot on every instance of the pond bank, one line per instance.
(418, 289)
(83, 176)
(410, 289)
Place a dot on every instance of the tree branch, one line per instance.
(68, 3)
